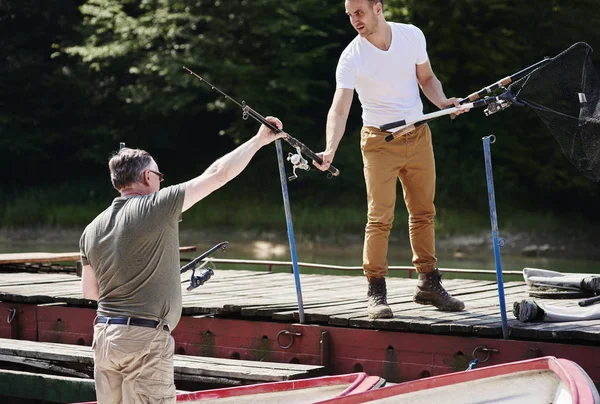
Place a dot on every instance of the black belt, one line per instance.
(140, 322)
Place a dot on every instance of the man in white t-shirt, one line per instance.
(386, 64)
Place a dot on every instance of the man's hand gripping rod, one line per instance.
(297, 160)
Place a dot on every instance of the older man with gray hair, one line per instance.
(130, 256)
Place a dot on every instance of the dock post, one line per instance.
(290, 228)
(487, 140)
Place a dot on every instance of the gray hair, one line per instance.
(127, 166)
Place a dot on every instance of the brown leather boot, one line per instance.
(429, 290)
(377, 294)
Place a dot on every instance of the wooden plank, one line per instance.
(45, 354)
(45, 365)
(410, 316)
(27, 278)
(338, 300)
(37, 257)
(41, 257)
(481, 306)
(582, 330)
(414, 316)
(49, 388)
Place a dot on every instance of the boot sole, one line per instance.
(385, 314)
(442, 308)
(377, 317)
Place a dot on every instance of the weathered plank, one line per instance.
(57, 357)
(336, 300)
(41, 257)
(50, 388)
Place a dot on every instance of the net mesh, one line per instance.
(565, 94)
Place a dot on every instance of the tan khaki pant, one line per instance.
(133, 364)
(409, 158)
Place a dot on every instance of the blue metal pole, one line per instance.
(494, 219)
(290, 228)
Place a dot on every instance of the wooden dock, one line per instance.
(328, 300)
(71, 369)
(243, 315)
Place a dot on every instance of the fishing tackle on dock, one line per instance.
(207, 267)
(297, 160)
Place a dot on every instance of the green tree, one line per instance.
(278, 56)
(85, 75)
(473, 44)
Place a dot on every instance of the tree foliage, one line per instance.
(83, 75)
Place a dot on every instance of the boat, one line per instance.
(312, 390)
(543, 380)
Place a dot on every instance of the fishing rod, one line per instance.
(494, 104)
(297, 160)
(197, 263)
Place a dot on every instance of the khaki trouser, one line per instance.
(409, 158)
(133, 364)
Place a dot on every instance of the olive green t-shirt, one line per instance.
(133, 247)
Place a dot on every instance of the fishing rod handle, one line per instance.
(403, 121)
(391, 125)
(505, 81)
(472, 97)
(410, 126)
(403, 131)
(486, 90)
(298, 144)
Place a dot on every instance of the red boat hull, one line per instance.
(573, 380)
(292, 390)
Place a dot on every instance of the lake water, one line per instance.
(276, 247)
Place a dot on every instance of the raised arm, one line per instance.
(229, 166)
(336, 125)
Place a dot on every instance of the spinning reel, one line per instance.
(298, 162)
(207, 267)
(500, 103)
(204, 276)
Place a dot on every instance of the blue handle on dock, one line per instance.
(290, 228)
(494, 219)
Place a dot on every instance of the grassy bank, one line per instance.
(246, 213)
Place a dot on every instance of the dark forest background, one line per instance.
(78, 77)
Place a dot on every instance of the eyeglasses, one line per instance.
(161, 176)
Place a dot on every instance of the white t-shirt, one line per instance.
(386, 81)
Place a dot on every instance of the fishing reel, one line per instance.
(298, 162)
(496, 106)
(206, 266)
(501, 102)
(208, 271)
